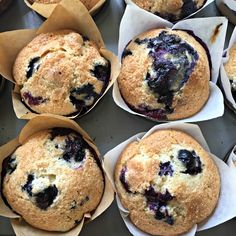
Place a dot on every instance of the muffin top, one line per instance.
(230, 67)
(89, 4)
(61, 73)
(53, 179)
(165, 74)
(171, 10)
(167, 182)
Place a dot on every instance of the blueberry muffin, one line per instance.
(230, 69)
(165, 74)
(89, 4)
(168, 182)
(61, 73)
(171, 10)
(53, 179)
(4, 4)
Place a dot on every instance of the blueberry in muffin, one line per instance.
(53, 179)
(61, 73)
(165, 74)
(89, 4)
(230, 69)
(167, 182)
(171, 10)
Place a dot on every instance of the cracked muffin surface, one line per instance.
(53, 179)
(167, 182)
(230, 69)
(171, 10)
(165, 74)
(89, 4)
(61, 73)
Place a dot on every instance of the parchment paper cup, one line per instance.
(69, 14)
(224, 79)
(232, 158)
(46, 10)
(212, 34)
(39, 123)
(225, 209)
(206, 4)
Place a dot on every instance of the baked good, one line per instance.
(165, 74)
(61, 73)
(89, 4)
(230, 69)
(53, 179)
(167, 182)
(171, 10)
(4, 4)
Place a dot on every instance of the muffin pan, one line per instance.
(107, 124)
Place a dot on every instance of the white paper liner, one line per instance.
(206, 4)
(232, 158)
(225, 82)
(132, 26)
(225, 208)
(231, 4)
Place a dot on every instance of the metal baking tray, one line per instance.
(107, 124)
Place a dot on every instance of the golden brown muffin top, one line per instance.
(167, 182)
(61, 73)
(53, 179)
(170, 9)
(165, 74)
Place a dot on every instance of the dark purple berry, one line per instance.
(74, 144)
(191, 161)
(61, 132)
(86, 92)
(159, 215)
(9, 165)
(140, 41)
(157, 202)
(188, 8)
(126, 53)
(123, 181)
(169, 220)
(74, 149)
(102, 72)
(166, 169)
(33, 101)
(153, 196)
(28, 186)
(32, 67)
(45, 198)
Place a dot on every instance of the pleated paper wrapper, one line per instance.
(35, 125)
(225, 209)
